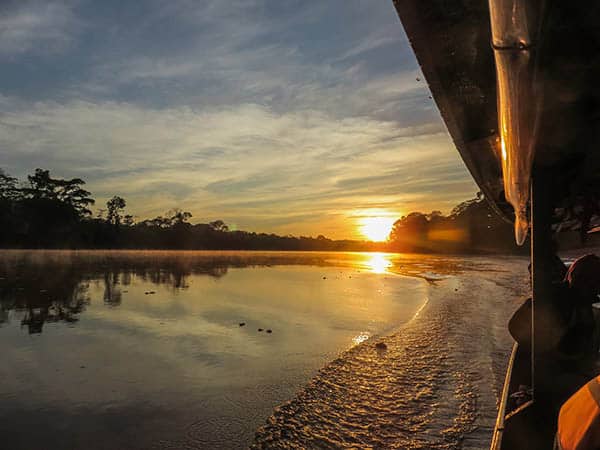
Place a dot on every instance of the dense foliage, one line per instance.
(472, 226)
(47, 212)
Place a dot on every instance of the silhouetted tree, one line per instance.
(69, 192)
(471, 226)
(218, 225)
(434, 217)
(409, 233)
(114, 206)
(10, 195)
(128, 220)
(47, 212)
(462, 207)
(159, 222)
(178, 216)
(9, 187)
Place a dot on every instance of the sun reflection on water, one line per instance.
(378, 262)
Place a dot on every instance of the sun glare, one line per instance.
(378, 262)
(376, 228)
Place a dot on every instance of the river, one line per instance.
(106, 350)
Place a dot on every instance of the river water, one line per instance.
(105, 350)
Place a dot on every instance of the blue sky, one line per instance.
(284, 116)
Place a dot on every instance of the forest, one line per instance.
(48, 212)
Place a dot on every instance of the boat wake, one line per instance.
(435, 386)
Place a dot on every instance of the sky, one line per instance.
(289, 116)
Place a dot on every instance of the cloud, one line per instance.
(379, 38)
(246, 163)
(280, 54)
(36, 27)
(283, 116)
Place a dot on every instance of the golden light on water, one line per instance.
(378, 262)
(376, 228)
(359, 338)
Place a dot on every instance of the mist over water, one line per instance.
(145, 349)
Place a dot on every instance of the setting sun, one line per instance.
(376, 228)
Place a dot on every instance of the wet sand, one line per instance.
(435, 387)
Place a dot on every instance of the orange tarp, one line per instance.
(579, 419)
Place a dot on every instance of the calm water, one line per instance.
(105, 350)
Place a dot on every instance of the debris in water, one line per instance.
(260, 329)
(242, 324)
(381, 346)
(269, 331)
(324, 278)
(149, 292)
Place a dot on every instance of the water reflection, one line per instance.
(41, 287)
(41, 295)
(379, 262)
(112, 292)
(49, 287)
(178, 358)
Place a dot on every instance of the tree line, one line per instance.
(49, 212)
(472, 226)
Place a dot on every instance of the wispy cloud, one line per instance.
(281, 116)
(36, 27)
(245, 163)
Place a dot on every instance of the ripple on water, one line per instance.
(434, 387)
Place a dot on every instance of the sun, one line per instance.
(376, 228)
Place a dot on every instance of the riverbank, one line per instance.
(436, 385)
